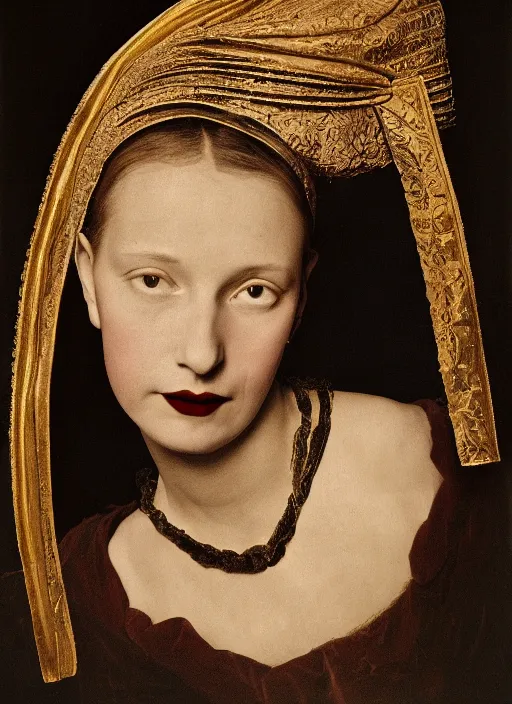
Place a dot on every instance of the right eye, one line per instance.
(151, 280)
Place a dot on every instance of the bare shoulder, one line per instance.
(375, 419)
(392, 439)
(129, 539)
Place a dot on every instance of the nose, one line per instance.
(200, 348)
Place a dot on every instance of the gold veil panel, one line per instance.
(337, 87)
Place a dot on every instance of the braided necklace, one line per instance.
(304, 463)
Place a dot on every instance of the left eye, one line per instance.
(256, 291)
(256, 294)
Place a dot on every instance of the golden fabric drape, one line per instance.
(336, 88)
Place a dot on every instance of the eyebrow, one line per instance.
(156, 256)
(256, 268)
(253, 269)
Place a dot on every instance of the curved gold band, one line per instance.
(412, 135)
(385, 119)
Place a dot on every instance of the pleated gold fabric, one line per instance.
(336, 87)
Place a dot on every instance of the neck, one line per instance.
(233, 498)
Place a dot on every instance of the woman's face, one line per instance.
(195, 286)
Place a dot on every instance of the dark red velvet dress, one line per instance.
(445, 639)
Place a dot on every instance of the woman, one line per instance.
(196, 315)
(204, 303)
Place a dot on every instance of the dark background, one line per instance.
(368, 327)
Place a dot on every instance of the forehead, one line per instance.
(197, 205)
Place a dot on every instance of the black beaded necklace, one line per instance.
(304, 464)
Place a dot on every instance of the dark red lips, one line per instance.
(190, 404)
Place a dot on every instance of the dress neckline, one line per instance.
(147, 634)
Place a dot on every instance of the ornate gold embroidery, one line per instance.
(437, 226)
(312, 78)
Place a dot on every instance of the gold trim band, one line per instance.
(412, 135)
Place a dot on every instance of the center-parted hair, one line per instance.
(183, 141)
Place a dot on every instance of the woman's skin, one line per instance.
(170, 289)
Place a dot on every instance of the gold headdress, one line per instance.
(337, 87)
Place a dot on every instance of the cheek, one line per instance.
(256, 347)
(128, 351)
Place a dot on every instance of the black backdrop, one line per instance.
(367, 326)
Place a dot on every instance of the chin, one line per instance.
(197, 441)
(190, 435)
